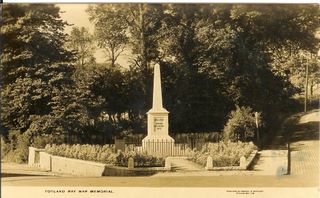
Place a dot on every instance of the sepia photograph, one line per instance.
(158, 99)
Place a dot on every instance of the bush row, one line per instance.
(104, 154)
(223, 153)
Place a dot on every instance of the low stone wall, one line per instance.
(63, 165)
(34, 156)
(45, 161)
(37, 157)
(57, 164)
(76, 167)
(251, 158)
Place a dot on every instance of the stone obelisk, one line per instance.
(158, 140)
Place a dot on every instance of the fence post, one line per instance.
(289, 157)
(168, 163)
(130, 163)
(209, 165)
(243, 161)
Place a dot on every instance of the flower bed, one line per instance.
(223, 154)
(104, 154)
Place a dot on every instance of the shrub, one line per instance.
(17, 147)
(40, 141)
(104, 154)
(241, 125)
(5, 147)
(141, 159)
(223, 153)
(22, 150)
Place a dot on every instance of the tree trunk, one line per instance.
(143, 56)
(306, 87)
(111, 118)
(142, 38)
(311, 87)
(113, 60)
(118, 116)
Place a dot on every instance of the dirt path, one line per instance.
(182, 164)
(305, 145)
(304, 130)
(19, 170)
(271, 162)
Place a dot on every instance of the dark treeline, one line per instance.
(212, 57)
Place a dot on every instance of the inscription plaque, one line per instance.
(158, 123)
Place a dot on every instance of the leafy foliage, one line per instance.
(38, 93)
(213, 57)
(110, 29)
(104, 154)
(82, 43)
(223, 153)
(4, 147)
(241, 125)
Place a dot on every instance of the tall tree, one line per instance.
(81, 42)
(232, 45)
(191, 91)
(134, 27)
(32, 58)
(38, 93)
(144, 22)
(32, 35)
(110, 29)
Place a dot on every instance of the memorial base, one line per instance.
(158, 145)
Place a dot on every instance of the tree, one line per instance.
(110, 29)
(32, 35)
(240, 125)
(81, 41)
(33, 61)
(134, 26)
(189, 91)
(38, 93)
(214, 57)
(110, 84)
(293, 66)
(232, 46)
(144, 22)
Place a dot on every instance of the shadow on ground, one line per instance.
(18, 175)
(306, 131)
(254, 162)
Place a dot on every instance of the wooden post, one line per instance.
(257, 125)
(306, 87)
(289, 157)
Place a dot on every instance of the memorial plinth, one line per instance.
(158, 140)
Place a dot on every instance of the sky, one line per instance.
(76, 14)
